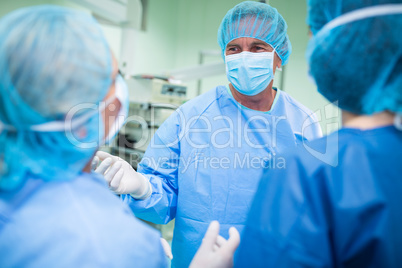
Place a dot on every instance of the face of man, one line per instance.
(251, 45)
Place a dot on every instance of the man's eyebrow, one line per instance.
(233, 45)
(260, 43)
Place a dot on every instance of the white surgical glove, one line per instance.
(166, 248)
(215, 251)
(121, 176)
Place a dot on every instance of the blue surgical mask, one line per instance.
(250, 73)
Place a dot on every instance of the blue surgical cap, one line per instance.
(256, 20)
(52, 60)
(357, 64)
(321, 12)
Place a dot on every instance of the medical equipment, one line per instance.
(152, 101)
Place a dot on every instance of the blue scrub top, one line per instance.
(77, 223)
(338, 208)
(205, 161)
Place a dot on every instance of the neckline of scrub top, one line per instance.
(278, 92)
(371, 131)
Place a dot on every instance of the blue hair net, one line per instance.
(320, 12)
(51, 60)
(357, 63)
(256, 20)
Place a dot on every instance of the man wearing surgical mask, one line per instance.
(205, 161)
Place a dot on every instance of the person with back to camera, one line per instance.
(337, 204)
(55, 212)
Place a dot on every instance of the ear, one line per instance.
(279, 63)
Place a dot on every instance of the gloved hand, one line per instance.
(121, 176)
(215, 251)
(166, 248)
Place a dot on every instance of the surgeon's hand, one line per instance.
(215, 251)
(121, 176)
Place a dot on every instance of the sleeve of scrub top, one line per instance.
(160, 165)
(287, 225)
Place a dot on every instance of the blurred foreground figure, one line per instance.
(61, 98)
(338, 202)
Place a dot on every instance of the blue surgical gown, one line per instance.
(338, 208)
(77, 223)
(205, 162)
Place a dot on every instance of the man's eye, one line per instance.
(259, 48)
(232, 49)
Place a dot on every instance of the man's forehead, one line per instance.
(247, 40)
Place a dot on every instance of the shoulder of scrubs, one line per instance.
(190, 111)
(203, 102)
(305, 121)
(77, 223)
(319, 214)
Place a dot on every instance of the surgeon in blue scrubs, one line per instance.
(55, 212)
(205, 161)
(337, 203)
